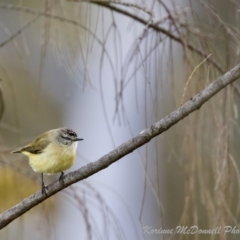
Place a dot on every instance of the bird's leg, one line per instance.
(61, 178)
(44, 187)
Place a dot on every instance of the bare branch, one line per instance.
(119, 10)
(22, 29)
(160, 29)
(145, 136)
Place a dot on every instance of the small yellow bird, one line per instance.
(52, 152)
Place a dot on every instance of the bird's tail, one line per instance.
(17, 151)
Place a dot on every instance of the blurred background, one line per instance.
(108, 71)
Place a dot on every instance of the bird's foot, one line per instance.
(61, 178)
(44, 188)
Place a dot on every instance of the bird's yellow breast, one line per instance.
(54, 158)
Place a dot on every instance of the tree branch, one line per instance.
(115, 9)
(145, 136)
(157, 29)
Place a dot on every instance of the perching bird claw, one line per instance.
(61, 178)
(44, 188)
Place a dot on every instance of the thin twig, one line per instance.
(160, 29)
(190, 77)
(124, 12)
(24, 27)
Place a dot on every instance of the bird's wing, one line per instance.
(36, 147)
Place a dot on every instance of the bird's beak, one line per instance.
(78, 139)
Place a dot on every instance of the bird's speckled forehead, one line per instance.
(69, 132)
